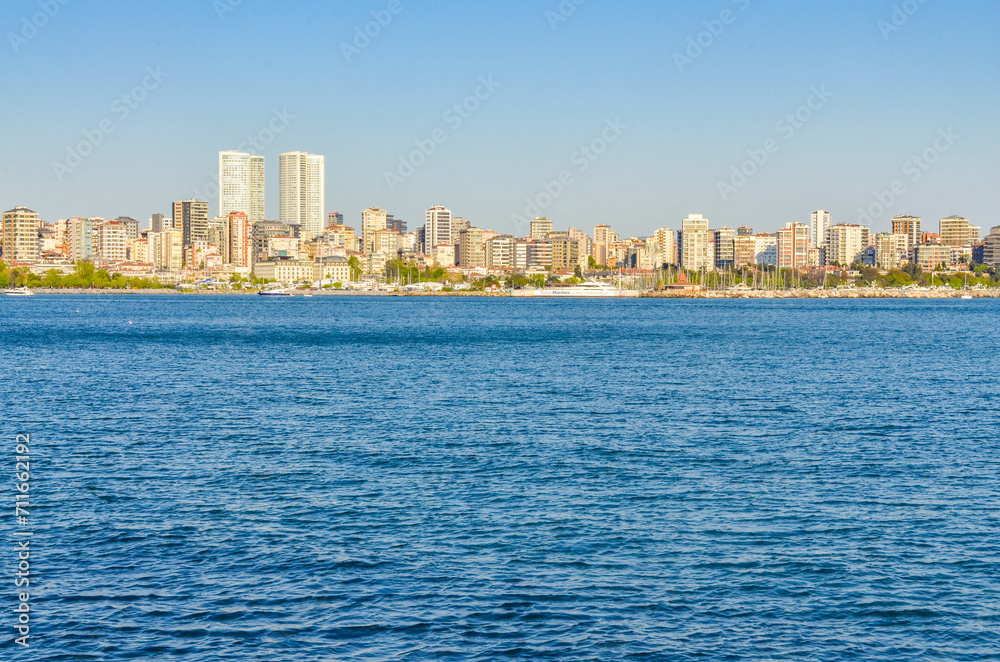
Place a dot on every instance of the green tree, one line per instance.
(355, 264)
(578, 272)
(591, 262)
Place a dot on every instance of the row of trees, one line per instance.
(84, 276)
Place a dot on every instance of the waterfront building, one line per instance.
(20, 239)
(586, 245)
(930, 256)
(538, 255)
(470, 249)
(386, 242)
(372, 220)
(112, 238)
(793, 246)
(603, 238)
(991, 248)
(909, 226)
(541, 228)
(891, 250)
(696, 243)
(437, 229)
(444, 255)
(457, 225)
(957, 231)
(191, 219)
(665, 241)
(80, 238)
(302, 191)
(819, 223)
(724, 247)
(241, 185)
(845, 243)
(499, 252)
(166, 250)
(565, 250)
(744, 231)
(239, 251)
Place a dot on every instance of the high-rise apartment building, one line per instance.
(908, 226)
(793, 246)
(470, 249)
(157, 223)
(696, 241)
(846, 243)
(302, 191)
(20, 235)
(957, 231)
(565, 250)
(240, 248)
(80, 239)
(541, 228)
(500, 251)
(131, 227)
(818, 225)
(665, 240)
(457, 225)
(601, 248)
(241, 185)
(890, 250)
(744, 231)
(191, 219)
(334, 218)
(725, 247)
(437, 228)
(397, 224)
(112, 240)
(372, 220)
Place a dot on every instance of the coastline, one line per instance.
(741, 294)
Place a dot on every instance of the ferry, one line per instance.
(19, 292)
(583, 290)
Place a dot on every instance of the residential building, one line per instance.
(696, 243)
(845, 243)
(131, 226)
(239, 251)
(909, 226)
(724, 247)
(793, 246)
(930, 256)
(957, 231)
(241, 185)
(586, 245)
(565, 250)
(386, 242)
(191, 218)
(457, 225)
(499, 252)
(744, 231)
(372, 220)
(665, 240)
(166, 249)
(157, 223)
(302, 191)
(470, 249)
(541, 228)
(437, 229)
(397, 224)
(991, 248)
(80, 238)
(818, 225)
(891, 250)
(112, 238)
(20, 239)
(603, 238)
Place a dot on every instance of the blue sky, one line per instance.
(224, 67)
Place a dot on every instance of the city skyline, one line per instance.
(694, 108)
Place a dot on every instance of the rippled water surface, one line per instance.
(461, 479)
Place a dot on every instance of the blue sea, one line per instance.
(352, 478)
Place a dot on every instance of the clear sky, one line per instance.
(598, 74)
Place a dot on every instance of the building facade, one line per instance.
(241, 185)
(302, 191)
(20, 239)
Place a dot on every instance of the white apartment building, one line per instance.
(241, 185)
(302, 192)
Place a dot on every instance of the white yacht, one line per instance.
(19, 292)
(583, 290)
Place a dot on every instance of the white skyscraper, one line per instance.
(302, 191)
(437, 230)
(241, 185)
(821, 221)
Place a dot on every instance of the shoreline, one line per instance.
(751, 294)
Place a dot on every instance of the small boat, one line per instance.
(274, 293)
(967, 297)
(19, 292)
(583, 290)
